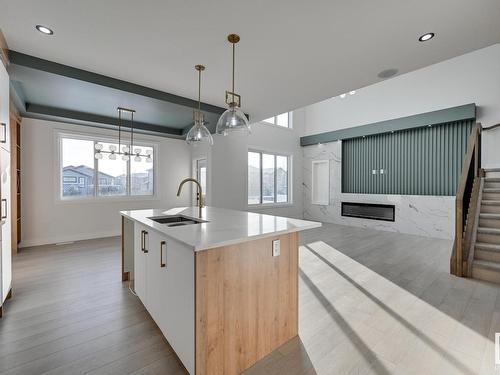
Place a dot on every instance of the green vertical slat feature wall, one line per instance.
(420, 161)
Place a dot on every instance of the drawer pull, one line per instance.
(4, 126)
(3, 212)
(144, 249)
(142, 240)
(163, 245)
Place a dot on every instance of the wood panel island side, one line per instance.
(223, 291)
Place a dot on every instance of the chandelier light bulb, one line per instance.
(112, 156)
(112, 148)
(125, 157)
(137, 158)
(98, 155)
(98, 146)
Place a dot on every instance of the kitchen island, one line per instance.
(222, 288)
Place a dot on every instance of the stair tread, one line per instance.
(491, 190)
(488, 230)
(489, 216)
(490, 202)
(486, 264)
(487, 246)
(492, 179)
(492, 169)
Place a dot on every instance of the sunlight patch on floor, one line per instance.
(353, 320)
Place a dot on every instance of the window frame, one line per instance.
(274, 124)
(289, 201)
(59, 134)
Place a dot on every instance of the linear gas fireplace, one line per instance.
(372, 211)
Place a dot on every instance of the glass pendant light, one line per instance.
(199, 132)
(233, 119)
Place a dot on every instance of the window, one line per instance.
(268, 178)
(84, 176)
(69, 180)
(283, 120)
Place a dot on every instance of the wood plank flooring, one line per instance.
(371, 302)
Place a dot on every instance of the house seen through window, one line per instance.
(268, 178)
(84, 176)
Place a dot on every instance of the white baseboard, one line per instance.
(68, 238)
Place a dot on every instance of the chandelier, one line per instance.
(126, 151)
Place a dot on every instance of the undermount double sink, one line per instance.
(176, 221)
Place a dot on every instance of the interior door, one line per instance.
(5, 222)
(141, 243)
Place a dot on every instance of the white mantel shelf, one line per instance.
(223, 227)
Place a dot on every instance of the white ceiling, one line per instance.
(292, 53)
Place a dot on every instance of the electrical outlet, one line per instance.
(276, 248)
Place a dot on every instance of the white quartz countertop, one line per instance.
(222, 227)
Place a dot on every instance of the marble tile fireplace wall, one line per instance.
(431, 216)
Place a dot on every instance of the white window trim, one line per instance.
(57, 139)
(290, 122)
(318, 202)
(290, 179)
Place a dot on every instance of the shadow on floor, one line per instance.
(290, 358)
(419, 265)
(357, 340)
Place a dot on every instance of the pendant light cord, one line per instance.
(199, 90)
(119, 128)
(233, 70)
(131, 133)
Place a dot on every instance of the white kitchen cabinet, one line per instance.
(164, 281)
(5, 221)
(4, 109)
(140, 253)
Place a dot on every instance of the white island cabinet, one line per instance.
(223, 289)
(164, 282)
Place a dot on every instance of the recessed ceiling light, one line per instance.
(342, 96)
(352, 92)
(426, 37)
(44, 30)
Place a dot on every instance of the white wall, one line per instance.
(227, 166)
(46, 219)
(471, 78)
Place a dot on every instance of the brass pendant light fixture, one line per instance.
(199, 132)
(233, 119)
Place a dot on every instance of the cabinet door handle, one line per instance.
(4, 126)
(163, 245)
(4, 212)
(145, 250)
(142, 240)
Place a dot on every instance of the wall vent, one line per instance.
(372, 211)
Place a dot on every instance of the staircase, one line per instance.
(486, 247)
